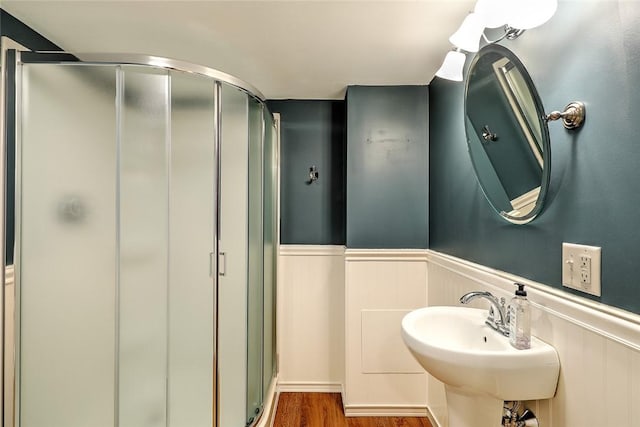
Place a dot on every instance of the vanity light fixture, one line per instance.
(514, 16)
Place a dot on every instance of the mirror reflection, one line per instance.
(507, 136)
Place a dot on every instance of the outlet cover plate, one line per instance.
(574, 269)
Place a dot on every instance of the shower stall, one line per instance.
(140, 244)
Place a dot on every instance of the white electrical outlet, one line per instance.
(581, 268)
(585, 276)
(585, 261)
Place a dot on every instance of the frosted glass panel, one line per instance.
(191, 287)
(143, 249)
(270, 215)
(232, 286)
(66, 262)
(255, 283)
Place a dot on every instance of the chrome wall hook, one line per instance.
(572, 117)
(313, 174)
(487, 135)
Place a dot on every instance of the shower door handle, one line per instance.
(222, 263)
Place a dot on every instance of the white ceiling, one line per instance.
(287, 49)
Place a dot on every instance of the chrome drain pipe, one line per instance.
(511, 416)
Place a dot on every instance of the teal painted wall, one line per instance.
(312, 133)
(589, 51)
(387, 167)
(23, 34)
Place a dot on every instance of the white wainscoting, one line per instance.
(311, 318)
(598, 346)
(382, 378)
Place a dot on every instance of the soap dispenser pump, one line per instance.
(520, 320)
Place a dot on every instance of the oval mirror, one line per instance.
(507, 136)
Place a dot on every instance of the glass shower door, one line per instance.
(255, 283)
(270, 215)
(262, 260)
(192, 266)
(66, 251)
(116, 229)
(143, 248)
(167, 216)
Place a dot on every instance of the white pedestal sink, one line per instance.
(478, 366)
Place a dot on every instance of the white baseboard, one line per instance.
(309, 387)
(385, 411)
(436, 421)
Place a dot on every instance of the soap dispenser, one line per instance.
(520, 320)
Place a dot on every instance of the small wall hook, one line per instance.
(487, 135)
(313, 174)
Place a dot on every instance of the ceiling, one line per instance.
(287, 49)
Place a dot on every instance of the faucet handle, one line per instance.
(492, 311)
(506, 311)
(492, 314)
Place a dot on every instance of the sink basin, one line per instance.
(455, 345)
(478, 366)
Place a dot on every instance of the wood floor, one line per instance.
(325, 410)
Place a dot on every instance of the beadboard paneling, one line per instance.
(311, 318)
(379, 281)
(379, 337)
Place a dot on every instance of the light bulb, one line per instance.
(468, 35)
(452, 66)
(527, 14)
(492, 13)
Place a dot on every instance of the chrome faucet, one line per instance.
(501, 324)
